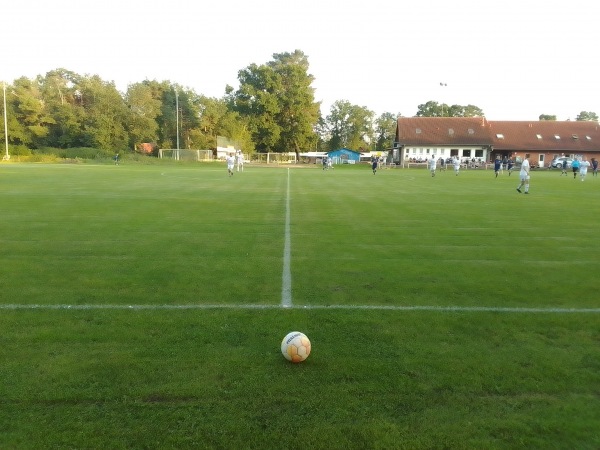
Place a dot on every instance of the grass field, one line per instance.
(141, 307)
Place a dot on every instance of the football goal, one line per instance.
(185, 154)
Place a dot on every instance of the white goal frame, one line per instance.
(185, 154)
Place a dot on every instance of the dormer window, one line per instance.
(589, 138)
(500, 136)
(418, 131)
(574, 136)
(450, 131)
(539, 136)
(557, 137)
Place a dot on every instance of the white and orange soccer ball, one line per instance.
(295, 347)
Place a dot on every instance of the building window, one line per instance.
(478, 153)
(467, 153)
(557, 137)
(589, 138)
(574, 136)
(471, 131)
(418, 130)
(539, 136)
(500, 136)
(450, 131)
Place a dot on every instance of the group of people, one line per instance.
(500, 164)
(232, 160)
(579, 166)
(432, 164)
(327, 163)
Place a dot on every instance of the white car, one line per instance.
(558, 163)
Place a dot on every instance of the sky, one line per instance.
(515, 59)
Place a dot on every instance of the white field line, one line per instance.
(286, 278)
(465, 309)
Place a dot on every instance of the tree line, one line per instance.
(272, 110)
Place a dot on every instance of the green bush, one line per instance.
(76, 152)
(19, 150)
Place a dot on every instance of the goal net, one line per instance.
(185, 154)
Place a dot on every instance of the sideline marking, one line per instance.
(495, 309)
(286, 278)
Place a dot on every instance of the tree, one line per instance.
(298, 111)
(385, 130)
(434, 109)
(546, 117)
(144, 108)
(61, 93)
(105, 114)
(256, 99)
(466, 111)
(189, 115)
(349, 126)
(216, 119)
(587, 116)
(29, 118)
(278, 100)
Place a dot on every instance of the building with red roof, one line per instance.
(476, 138)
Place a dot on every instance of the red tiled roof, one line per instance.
(443, 130)
(574, 136)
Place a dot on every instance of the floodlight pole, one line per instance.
(443, 85)
(177, 118)
(6, 156)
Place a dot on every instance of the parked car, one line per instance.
(558, 162)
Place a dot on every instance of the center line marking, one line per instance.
(286, 278)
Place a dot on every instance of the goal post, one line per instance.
(185, 154)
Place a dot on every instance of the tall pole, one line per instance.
(7, 156)
(443, 85)
(177, 120)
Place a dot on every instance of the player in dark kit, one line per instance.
(497, 166)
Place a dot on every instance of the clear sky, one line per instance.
(514, 59)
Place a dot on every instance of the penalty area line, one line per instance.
(466, 309)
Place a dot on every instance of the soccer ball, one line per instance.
(295, 347)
